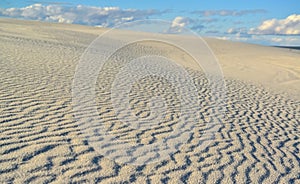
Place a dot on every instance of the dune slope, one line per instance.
(41, 141)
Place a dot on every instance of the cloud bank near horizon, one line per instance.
(203, 22)
(208, 13)
(87, 15)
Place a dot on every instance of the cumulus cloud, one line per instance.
(232, 31)
(229, 12)
(275, 40)
(285, 41)
(181, 24)
(278, 40)
(241, 30)
(287, 26)
(100, 16)
(178, 24)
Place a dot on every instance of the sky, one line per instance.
(267, 22)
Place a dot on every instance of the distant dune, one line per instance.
(42, 142)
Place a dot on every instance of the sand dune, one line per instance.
(42, 142)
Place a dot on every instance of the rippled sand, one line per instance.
(41, 141)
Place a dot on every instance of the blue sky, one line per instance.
(269, 22)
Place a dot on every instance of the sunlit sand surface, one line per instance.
(41, 141)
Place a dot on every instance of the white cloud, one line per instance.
(240, 33)
(287, 26)
(277, 40)
(100, 16)
(232, 31)
(222, 37)
(280, 40)
(285, 41)
(178, 24)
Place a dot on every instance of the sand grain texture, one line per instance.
(41, 142)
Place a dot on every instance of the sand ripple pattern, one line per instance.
(40, 141)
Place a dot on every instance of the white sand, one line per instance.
(41, 142)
